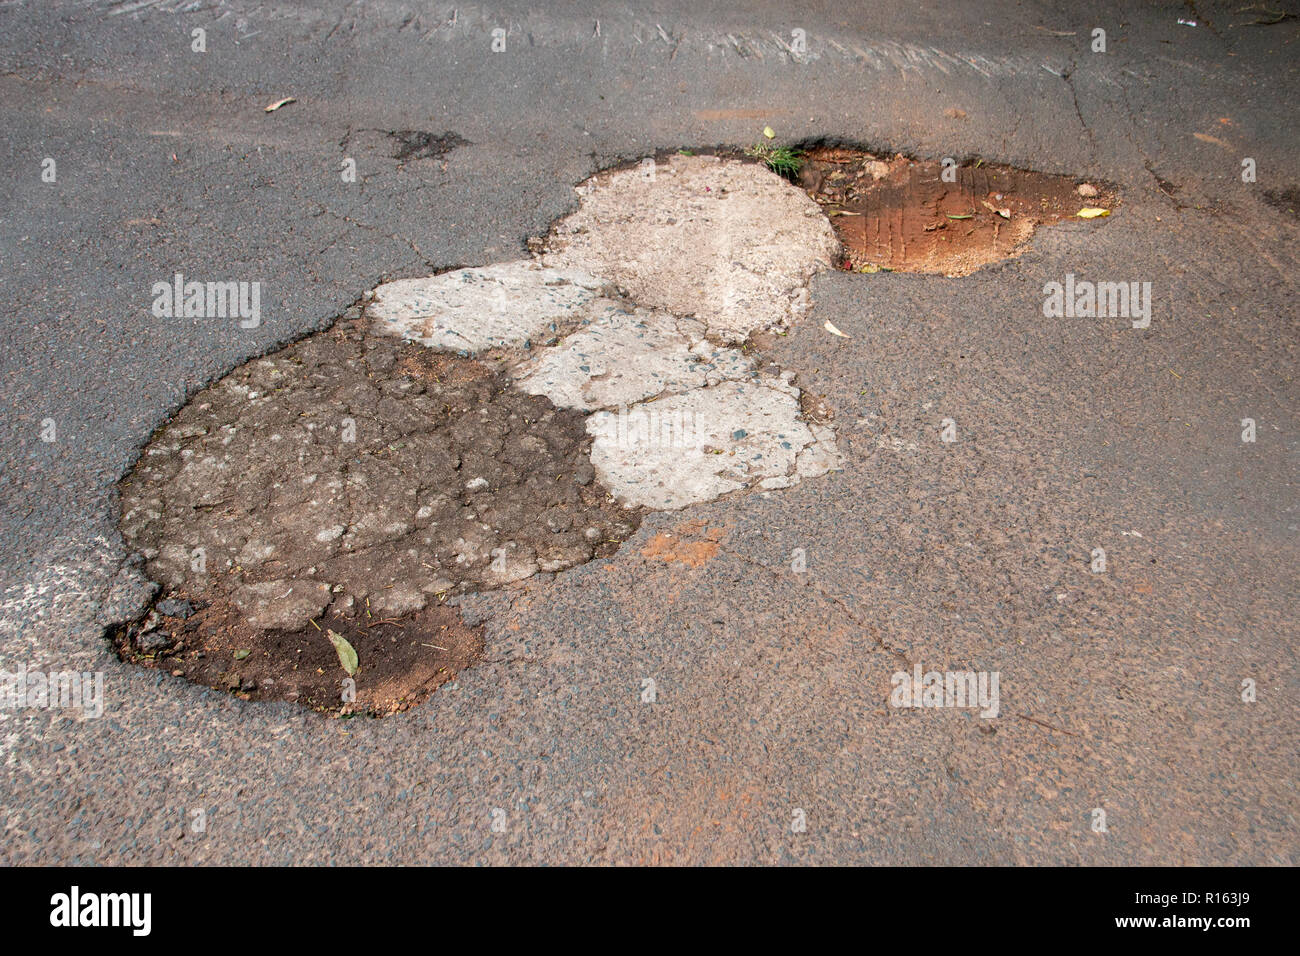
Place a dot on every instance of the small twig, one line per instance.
(1041, 723)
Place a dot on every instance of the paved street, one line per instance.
(1146, 710)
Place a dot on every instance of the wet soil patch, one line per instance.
(898, 214)
(400, 662)
(345, 481)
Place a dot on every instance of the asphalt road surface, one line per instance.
(1146, 712)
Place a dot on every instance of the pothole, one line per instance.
(310, 514)
(352, 482)
(908, 215)
(469, 430)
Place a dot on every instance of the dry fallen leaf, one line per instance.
(347, 656)
(278, 103)
(1091, 212)
(833, 330)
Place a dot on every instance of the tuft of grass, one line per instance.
(782, 160)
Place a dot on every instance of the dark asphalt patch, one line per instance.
(1284, 200)
(351, 479)
(400, 661)
(419, 144)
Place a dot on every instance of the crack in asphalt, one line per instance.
(424, 259)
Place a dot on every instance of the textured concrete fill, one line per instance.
(623, 357)
(470, 310)
(690, 448)
(727, 242)
(382, 472)
(361, 475)
(355, 478)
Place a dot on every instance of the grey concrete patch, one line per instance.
(470, 310)
(710, 250)
(686, 449)
(728, 242)
(622, 357)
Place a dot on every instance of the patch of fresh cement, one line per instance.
(727, 242)
(690, 448)
(508, 305)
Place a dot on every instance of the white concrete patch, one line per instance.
(471, 310)
(709, 250)
(621, 357)
(690, 448)
(728, 242)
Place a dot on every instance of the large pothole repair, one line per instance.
(309, 514)
(908, 215)
(352, 482)
(472, 429)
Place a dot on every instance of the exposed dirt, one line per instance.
(400, 662)
(693, 544)
(346, 480)
(898, 214)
